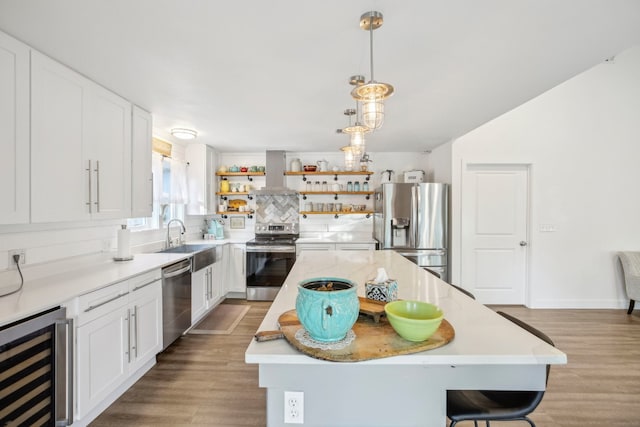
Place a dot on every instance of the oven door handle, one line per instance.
(268, 249)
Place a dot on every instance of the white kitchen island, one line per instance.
(488, 352)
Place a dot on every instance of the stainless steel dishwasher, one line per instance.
(176, 301)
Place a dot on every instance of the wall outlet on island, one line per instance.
(294, 407)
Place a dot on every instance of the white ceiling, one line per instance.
(255, 74)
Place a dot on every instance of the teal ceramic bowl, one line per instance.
(327, 307)
(414, 320)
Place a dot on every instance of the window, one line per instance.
(169, 194)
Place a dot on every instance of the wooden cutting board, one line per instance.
(373, 340)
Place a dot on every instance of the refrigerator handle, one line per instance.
(413, 221)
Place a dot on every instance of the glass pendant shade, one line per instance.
(349, 158)
(357, 143)
(356, 133)
(373, 113)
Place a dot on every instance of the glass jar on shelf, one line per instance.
(316, 186)
(349, 186)
(356, 186)
(325, 186)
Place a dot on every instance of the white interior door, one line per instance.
(494, 220)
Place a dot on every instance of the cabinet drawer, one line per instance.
(100, 302)
(355, 246)
(144, 279)
(315, 247)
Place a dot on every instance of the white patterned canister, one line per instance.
(386, 291)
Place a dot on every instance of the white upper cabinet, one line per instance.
(201, 176)
(107, 142)
(141, 177)
(80, 146)
(59, 176)
(14, 138)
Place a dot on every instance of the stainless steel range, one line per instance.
(270, 257)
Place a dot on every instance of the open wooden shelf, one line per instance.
(249, 175)
(331, 173)
(336, 213)
(304, 175)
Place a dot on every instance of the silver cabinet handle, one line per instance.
(128, 350)
(93, 307)
(97, 170)
(89, 171)
(145, 285)
(135, 331)
(523, 243)
(151, 199)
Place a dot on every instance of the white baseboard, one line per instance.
(578, 304)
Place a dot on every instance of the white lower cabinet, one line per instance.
(236, 276)
(145, 310)
(119, 329)
(206, 287)
(334, 247)
(199, 293)
(218, 270)
(102, 365)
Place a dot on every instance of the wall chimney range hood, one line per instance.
(275, 179)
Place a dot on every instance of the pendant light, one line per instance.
(357, 130)
(349, 158)
(372, 94)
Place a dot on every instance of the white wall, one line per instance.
(439, 169)
(582, 139)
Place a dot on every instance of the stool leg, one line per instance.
(631, 304)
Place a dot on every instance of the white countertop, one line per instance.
(74, 277)
(335, 237)
(482, 336)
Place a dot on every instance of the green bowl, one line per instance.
(414, 320)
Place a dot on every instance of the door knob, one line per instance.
(523, 243)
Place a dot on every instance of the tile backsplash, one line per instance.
(277, 208)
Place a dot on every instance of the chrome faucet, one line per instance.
(184, 230)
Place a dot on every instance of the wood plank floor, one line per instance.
(202, 380)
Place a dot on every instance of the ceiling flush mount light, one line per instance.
(184, 133)
(372, 94)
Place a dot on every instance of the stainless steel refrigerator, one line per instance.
(412, 219)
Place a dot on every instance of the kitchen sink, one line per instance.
(186, 249)
(203, 255)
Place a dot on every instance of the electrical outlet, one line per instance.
(294, 407)
(12, 263)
